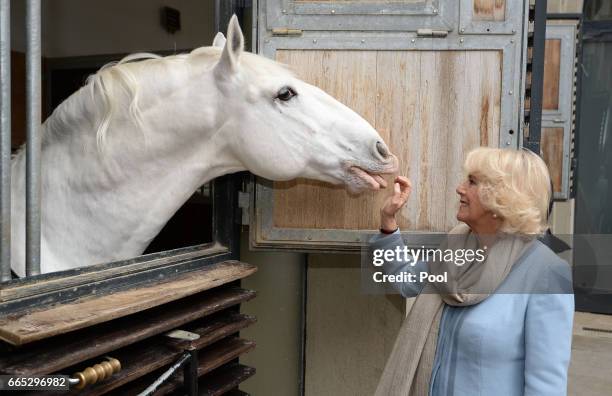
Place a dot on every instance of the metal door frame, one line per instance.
(564, 117)
(263, 234)
(380, 16)
(510, 25)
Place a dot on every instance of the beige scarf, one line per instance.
(408, 369)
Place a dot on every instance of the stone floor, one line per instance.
(590, 371)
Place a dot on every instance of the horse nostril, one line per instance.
(382, 149)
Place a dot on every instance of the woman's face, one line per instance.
(471, 211)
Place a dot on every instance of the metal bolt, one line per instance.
(512, 41)
(314, 41)
(508, 143)
(333, 11)
(413, 40)
(510, 93)
(435, 10)
(461, 40)
(462, 30)
(362, 41)
(309, 238)
(513, 30)
(266, 41)
(284, 11)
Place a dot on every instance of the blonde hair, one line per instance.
(514, 184)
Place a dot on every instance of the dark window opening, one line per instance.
(593, 219)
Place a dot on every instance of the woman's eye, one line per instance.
(285, 93)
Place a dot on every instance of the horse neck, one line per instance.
(120, 196)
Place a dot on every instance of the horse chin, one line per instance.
(359, 180)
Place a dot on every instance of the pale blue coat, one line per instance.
(516, 342)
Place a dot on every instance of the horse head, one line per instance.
(282, 128)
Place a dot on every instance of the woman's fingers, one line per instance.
(405, 187)
(401, 192)
(396, 189)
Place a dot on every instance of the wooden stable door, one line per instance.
(435, 79)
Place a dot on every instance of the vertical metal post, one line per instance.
(5, 140)
(33, 120)
(190, 373)
(537, 77)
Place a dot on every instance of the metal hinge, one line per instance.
(286, 32)
(431, 33)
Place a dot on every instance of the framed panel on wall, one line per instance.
(558, 103)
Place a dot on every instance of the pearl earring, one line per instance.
(495, 215)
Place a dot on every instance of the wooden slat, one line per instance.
(552, 71)
(91, 274)
(237, 392)
(59, 319)
(143, 359)
(69, 350)
(211, 358)
(429, 106)
(552, 149)
(489, 10)
(224, 379)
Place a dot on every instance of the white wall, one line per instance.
(92, 27)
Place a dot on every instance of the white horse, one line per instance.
(121, 155)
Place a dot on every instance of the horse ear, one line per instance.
(233, 47)
(219, 40)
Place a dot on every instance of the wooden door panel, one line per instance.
(431, 107)
(489, 10)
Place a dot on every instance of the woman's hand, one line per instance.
(401, 192)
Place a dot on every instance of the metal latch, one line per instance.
(286, 32)
(431, 33)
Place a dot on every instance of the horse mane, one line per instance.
(107, 83)
(104, 84)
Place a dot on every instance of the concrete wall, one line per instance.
(88, 27)
(278, 331)
(349, 334)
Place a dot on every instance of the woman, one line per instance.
(498, 327)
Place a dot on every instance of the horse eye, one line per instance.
(285, 93)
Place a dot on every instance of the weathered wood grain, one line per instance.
(50, 321)
(564, 6)
(552, 71)
(552, 150)
(56, 281)
(211, 358)
(224, 379)
(489, 10)
(429, 106)
(64, 351)
(138, 362)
